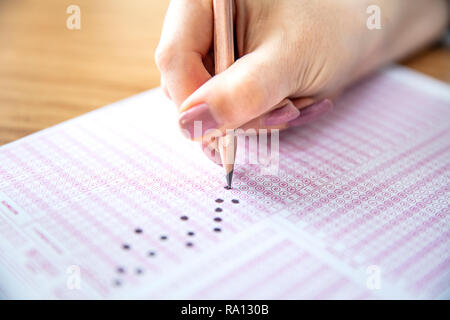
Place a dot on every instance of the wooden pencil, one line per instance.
(224, 58)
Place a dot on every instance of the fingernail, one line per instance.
(282, 115)
(312, 112)
(196, 121)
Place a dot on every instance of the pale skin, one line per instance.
(292, 54)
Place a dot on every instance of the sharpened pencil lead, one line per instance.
(229, 179)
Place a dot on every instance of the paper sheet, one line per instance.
(93, 207)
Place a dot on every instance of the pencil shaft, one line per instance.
(224, 58)
(223, 35)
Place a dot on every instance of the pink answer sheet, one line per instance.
(117, 204)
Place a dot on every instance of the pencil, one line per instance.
(223, 58)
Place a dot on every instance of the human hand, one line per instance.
(292, 55)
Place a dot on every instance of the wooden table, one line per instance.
(49, 73)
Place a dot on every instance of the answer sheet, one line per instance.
(117, 204)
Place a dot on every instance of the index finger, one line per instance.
(186, 39)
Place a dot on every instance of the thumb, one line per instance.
(246, 90)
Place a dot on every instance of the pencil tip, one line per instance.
(229, 179)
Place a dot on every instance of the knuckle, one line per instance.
(163, 57)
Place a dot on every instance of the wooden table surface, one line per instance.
(49, 73)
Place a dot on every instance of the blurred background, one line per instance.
(50, 73)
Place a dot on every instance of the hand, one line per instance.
(281, 66)
(293, 54)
